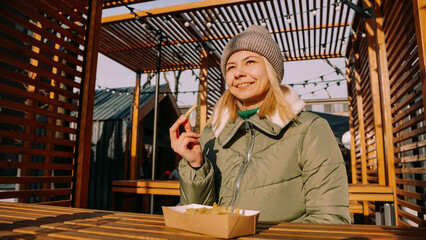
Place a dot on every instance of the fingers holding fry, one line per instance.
(186, 115)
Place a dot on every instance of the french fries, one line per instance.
(186, 115)
(215, 210)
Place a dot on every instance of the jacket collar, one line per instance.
(271, 125)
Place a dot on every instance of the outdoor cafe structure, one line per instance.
(48, 71)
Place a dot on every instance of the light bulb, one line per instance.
(314, 12)
(186, 24)
(209, 24)
(289, 20)
(337, 8)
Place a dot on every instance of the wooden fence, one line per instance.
(47, 73)
(386, 86)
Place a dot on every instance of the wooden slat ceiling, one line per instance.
(118, 3)
(304, 29)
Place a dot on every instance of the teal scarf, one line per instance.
(248, 113)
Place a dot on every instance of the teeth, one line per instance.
(243, 85)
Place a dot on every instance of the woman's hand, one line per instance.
(186, 144)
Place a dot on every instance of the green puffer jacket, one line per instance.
(294, 173)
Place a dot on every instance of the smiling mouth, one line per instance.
(243, 85)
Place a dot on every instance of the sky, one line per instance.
(111, 74)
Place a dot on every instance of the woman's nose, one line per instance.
(239, 72)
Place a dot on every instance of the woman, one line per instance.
(259, 151)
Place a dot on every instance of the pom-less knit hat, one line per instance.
(256, 39)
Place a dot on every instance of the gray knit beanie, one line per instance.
(256, 39)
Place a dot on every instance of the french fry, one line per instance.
(190, 110)
(215, 210)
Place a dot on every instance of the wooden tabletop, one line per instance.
(32, 221)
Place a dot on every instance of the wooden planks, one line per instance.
(31, 221)
(405, 53)
(43, 62)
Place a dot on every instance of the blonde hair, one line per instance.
(274, 102)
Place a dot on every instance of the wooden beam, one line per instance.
(118, 3)
(374, 70)
(361, 127)
(135, 126)
(419, 7)
(385, 102)
(86, 104)
(186, 7)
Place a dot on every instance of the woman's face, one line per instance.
(247, 78)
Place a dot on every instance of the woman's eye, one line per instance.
(250, 61)
(229, 68)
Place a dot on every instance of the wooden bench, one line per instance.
(368, 192)
(142, 188)
(145, 186)
(357, 192)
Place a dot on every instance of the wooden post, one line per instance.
(351, 124)
(360, 108)
(203, 89)
(374, 69)
(352, 131)
(419, 8)
(87, 98)
(133, 170)
(361, 131)
(384, 84)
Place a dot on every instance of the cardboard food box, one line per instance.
(223, 226)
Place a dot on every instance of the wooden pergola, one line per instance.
(48, 70)
(194, 35)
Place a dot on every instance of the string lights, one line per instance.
(239, 24)
(129, 91)
(323, 46)
(304, 83)
(321, 89)
(288, 17)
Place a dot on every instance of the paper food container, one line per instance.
(223, 226)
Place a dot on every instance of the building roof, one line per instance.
(338, 123)
(113, 104)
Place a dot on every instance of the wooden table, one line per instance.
(32, 221)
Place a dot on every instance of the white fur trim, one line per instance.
(296, 104)
(293, 99)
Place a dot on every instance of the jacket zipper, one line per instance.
(244, 167)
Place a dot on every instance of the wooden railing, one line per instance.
(357, 192)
